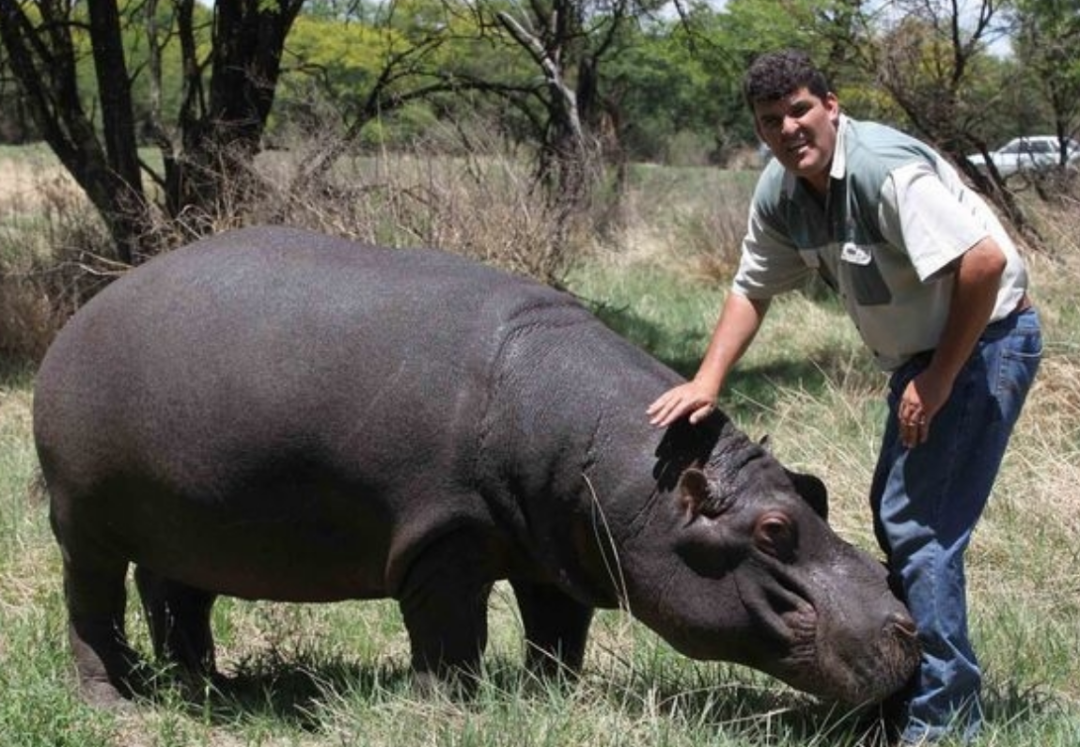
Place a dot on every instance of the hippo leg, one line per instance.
(444, 604)
(556, 627)
(179, 619)
(105, 663)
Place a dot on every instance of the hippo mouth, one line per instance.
(857, 676)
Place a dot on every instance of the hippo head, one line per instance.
(736, 562)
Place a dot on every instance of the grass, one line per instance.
(321, 675)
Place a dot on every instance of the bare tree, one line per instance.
(562, 45)
(223, 111)
(568, 42)
(926, 58)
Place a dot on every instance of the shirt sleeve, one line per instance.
(770, 262)
(922, 216)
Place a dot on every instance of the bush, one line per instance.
(482, 204)
(51, 249)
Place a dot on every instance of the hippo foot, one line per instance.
(110, 674)
(101, 694)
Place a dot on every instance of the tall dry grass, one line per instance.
(483, 203)
(53, 251)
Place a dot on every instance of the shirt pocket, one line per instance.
(862, 275)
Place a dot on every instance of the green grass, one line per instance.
(321, 675)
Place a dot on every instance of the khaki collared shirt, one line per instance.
(896, 216)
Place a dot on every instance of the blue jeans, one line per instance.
(926, 502)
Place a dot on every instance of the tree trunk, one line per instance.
(216, 136)
(43, 61)
(125, 212)
(219, 142)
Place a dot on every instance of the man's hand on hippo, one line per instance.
(692, 399)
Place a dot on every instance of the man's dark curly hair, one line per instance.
(774, 75)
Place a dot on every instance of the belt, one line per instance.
(1006, 321)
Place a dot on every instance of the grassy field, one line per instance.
(337, 674)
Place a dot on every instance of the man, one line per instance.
(938, 293)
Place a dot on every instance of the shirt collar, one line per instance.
(839, 158)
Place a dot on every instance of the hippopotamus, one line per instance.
(275, 414)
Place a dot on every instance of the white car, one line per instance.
(1034, 153)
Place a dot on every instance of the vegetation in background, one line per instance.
(581, 89)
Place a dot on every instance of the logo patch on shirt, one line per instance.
(855, 254)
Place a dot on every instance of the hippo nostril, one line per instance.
(902, 623)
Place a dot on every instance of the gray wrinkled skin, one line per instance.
(275, 414)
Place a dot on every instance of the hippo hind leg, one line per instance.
(179, 620)
(556, 628)
(107, 667)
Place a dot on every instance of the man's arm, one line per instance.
(975, 287)
(739, 322)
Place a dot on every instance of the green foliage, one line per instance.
(331, 71)
(1049, 46)
(161, 98)
(1001, 101)
(755, 26)
(664, 91)
(674, 84)
(686, 76)
(345, 56)
(137, 41)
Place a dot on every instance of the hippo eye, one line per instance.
(775, 534)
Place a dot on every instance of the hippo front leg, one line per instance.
(444, 604)
(556, 627)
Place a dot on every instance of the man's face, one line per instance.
(800, 130)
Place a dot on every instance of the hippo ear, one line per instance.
(697, 497)
(812, 490)
(693, 490)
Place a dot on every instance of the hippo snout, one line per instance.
(893, 661)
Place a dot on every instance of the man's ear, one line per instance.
(832, 103)
(812, 490)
